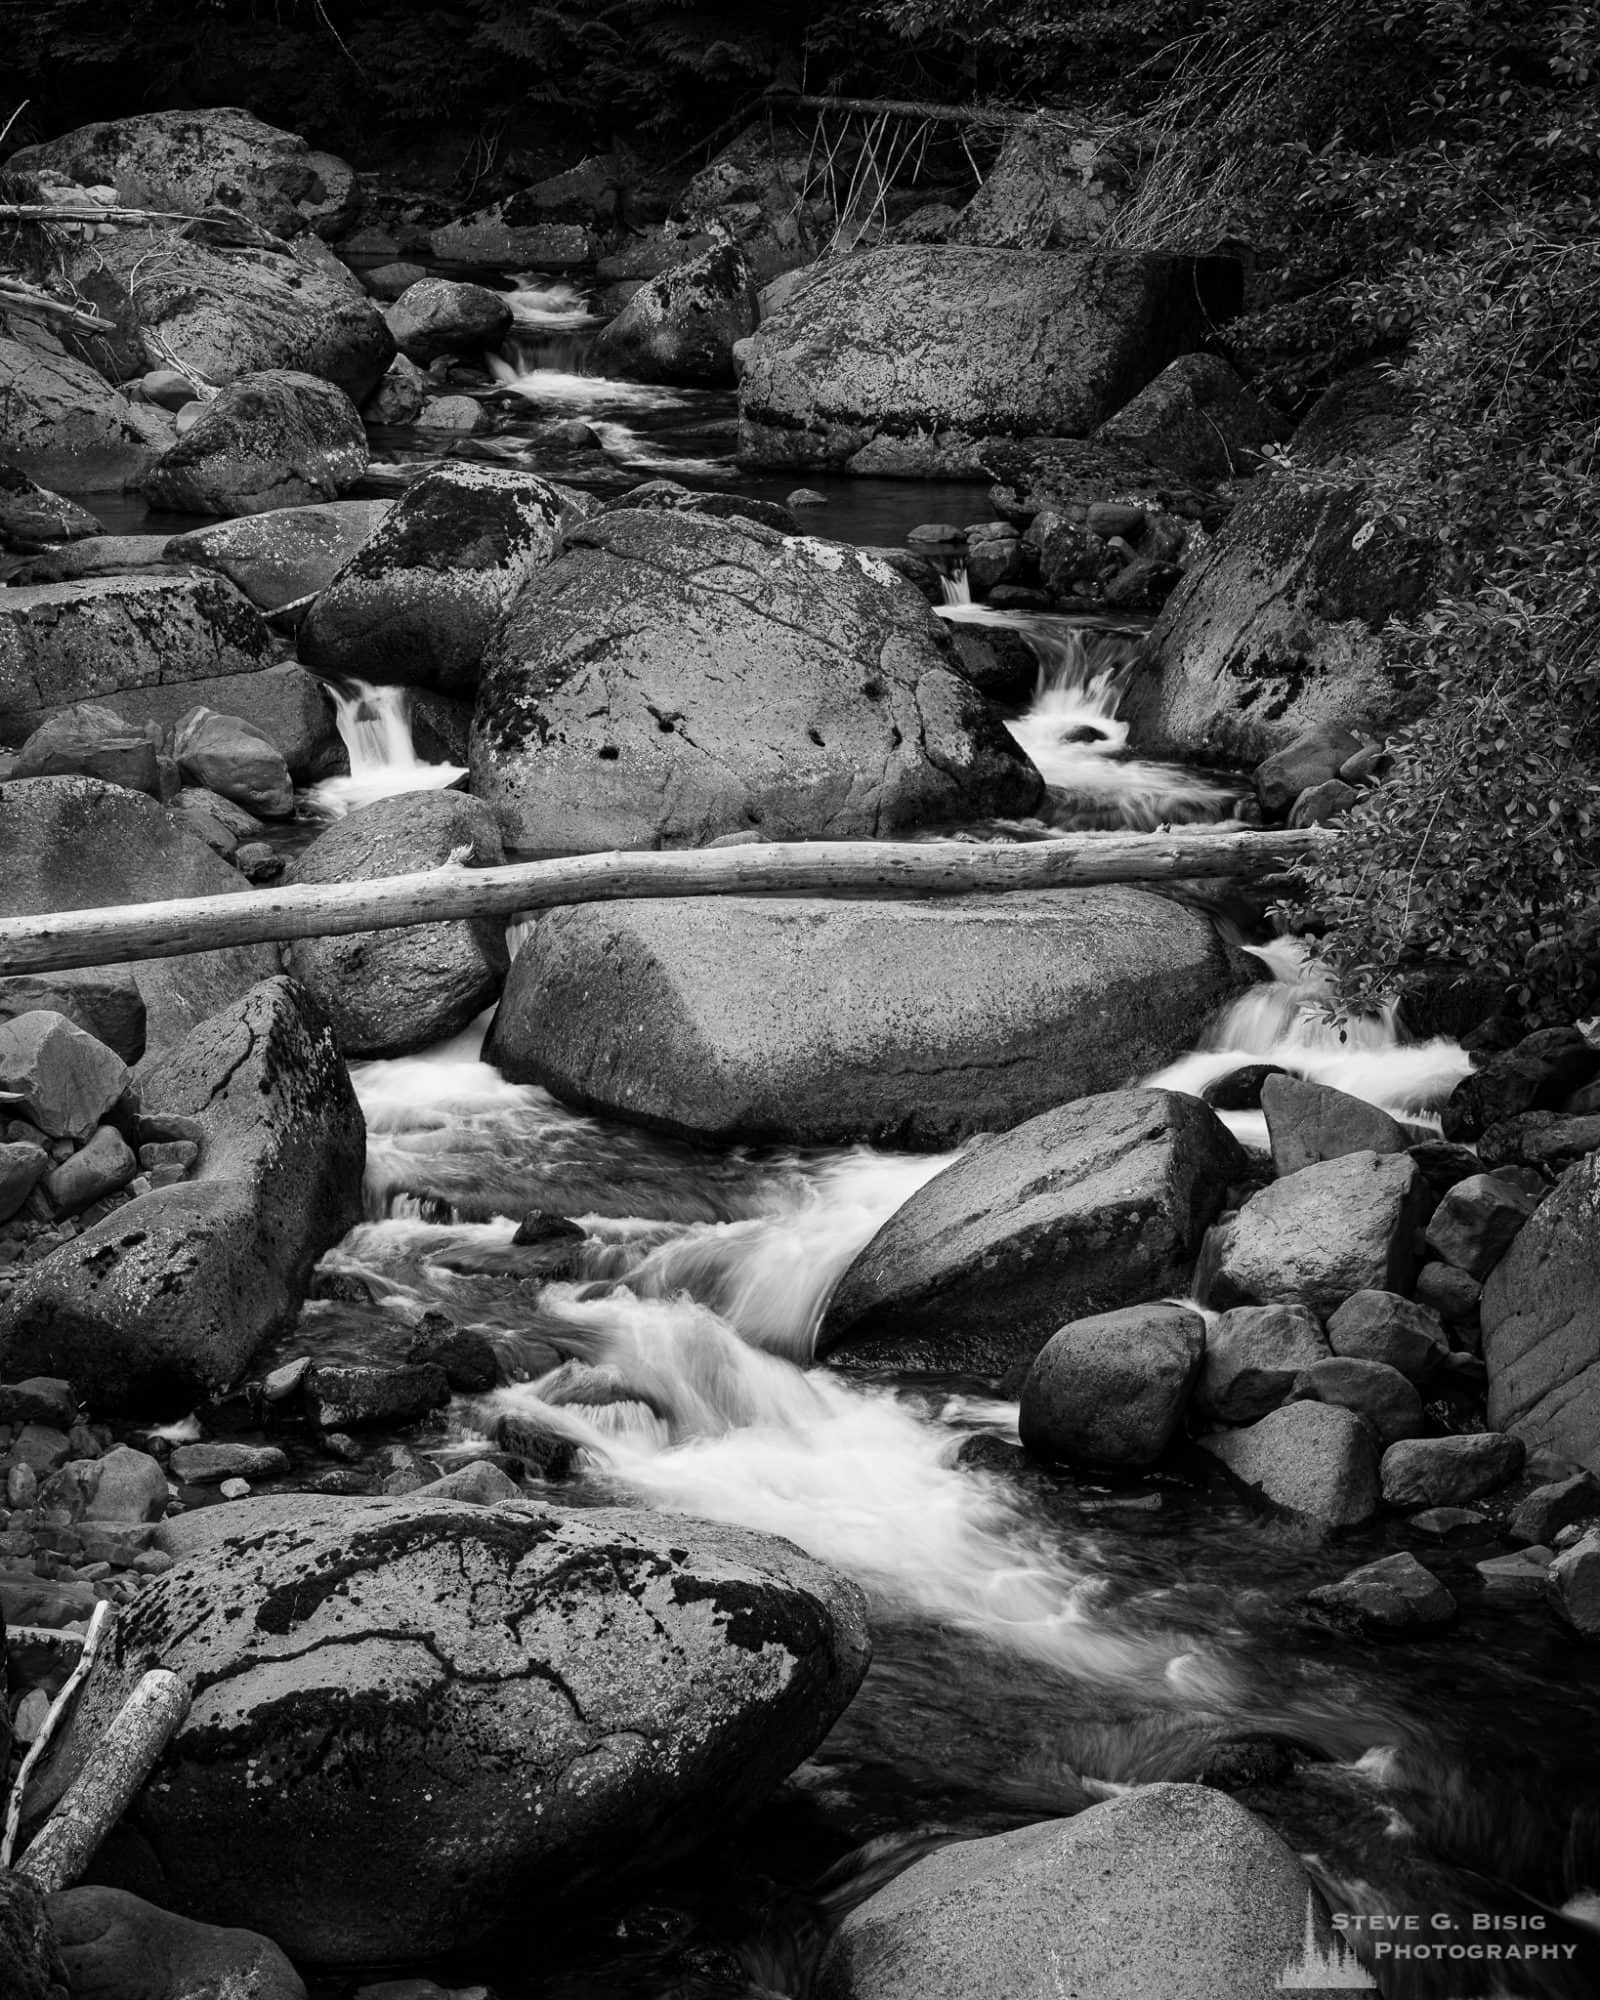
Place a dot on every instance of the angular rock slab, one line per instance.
(1342, 1226)
(1541, 1323)
(1171, 1892)
(1094, 1205)
(415, 1720)
(60, 418)
(166, 1300)
(949, 344)
(1309, 1459)
(916, 1023)
(283, 554)
(670, 677)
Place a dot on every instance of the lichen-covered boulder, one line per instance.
(165, 1300)
(389, 992)
(223, 313)
(1097, 1204)
(414, 1720)
(54, 409)
(421, 597)
(275, 439)
(1275, 630)
(437, 316)
(681, 325)
(287, 553)
(901, 359)
(670, 677)
(819, 1022)
(185, 161)
(33, 518)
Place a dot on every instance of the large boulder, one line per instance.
(62, 643)
(907, 1023)
(1313, 1460)
(437, 316)
(1541, 1323)
(1276, 629)
(118, 1947)
(30, 1955)
(165, 1301)
(1094, 1205)
(1253, 1356)
(56, 1075)
(1308, 1122)
(223, 313)
(1198, 418)
(388, 992)
(279, 556)
(1110, 1390)
(275, 439)
(420, 599)
(80, 844)
(1056, 186)
(536, 1700)
(1170, 1892)
(901, 359)
(96, 742)
(191, 160)
(670, 677)
(232, 758)
(33, 518)
(1342, 1226)
(56, 413)
(681, 326)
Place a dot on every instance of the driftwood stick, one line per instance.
(851, 868)
(896, 107)
(21, 297)
(108, 1783)
(86, 211)
(99, 1626)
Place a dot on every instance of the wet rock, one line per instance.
(1382, 1326)
(271, 440)
(90, 741)
(211, 1464)
(1308, 1122)
(1169, 1891)
(57, 1077)
(542, 1450)
(1397, 1594)
(456, 1650)
(1379, 1393)
(481, 1484)
(1312, 1460)
(418, 601)
(827, 1022)
(1095, 1205)
(437, 316)
(670, 677)
(467, 1357)
(489, 240)
(123, 1485)
(341, 1398)
(1450, 1293)
(32, 517)
(399, 397)
(454, 413)
(233, 758)
(1449, 1471)
(62, 643)
(57, 407)
(168, 1298)
(1538, 1074)
(680, 326)
(389, 992)
(1198, 417)
(1253, 1355)
(1523, 1576)
(1274, 632)
(999, 662)
(224, 313)
(1452, 1525)
(1548, 1141)
(902, 358)
(186, 161)
(1573, 1585)
(1240, 1089)
(1339, 1227)
(104, 1163)
(40, 1399)
(1442, 1164)
(1560, 1503)
(1110, 1390)
(1477, 1222)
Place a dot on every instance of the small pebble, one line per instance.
(235, 1489)
(31, 1712)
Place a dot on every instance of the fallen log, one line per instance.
(898, 107)
(99, 1625)
(103, 1790)
(848, 868)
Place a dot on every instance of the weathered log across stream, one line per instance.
(850, 868)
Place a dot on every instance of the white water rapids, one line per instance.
(375, 727)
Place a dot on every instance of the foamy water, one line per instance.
(375, 727)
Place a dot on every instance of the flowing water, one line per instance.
(375, 728)
(1040, 1640)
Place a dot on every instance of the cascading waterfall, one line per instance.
(375, 727)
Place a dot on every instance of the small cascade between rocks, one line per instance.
(375, 727)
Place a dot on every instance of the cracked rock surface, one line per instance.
(671, 677)
(415, 1721)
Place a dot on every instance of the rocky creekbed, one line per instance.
(745, 1445)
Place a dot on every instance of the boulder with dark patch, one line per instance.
(1477, 1222)
(1394, 1595)
(116, 1946)
(1276, 629)
(1539, 1074)
(53, 408)
(1095, 1205)
(538, 1701)
(670, 677)
(680, 327)
(1372, 1389)
(905, 1023)
(389, 992)
(437, 316)
(166, 1300)
(905, 358)
(1342, 1226)
(1110, 1390)
(421, 597)
(270, 440)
